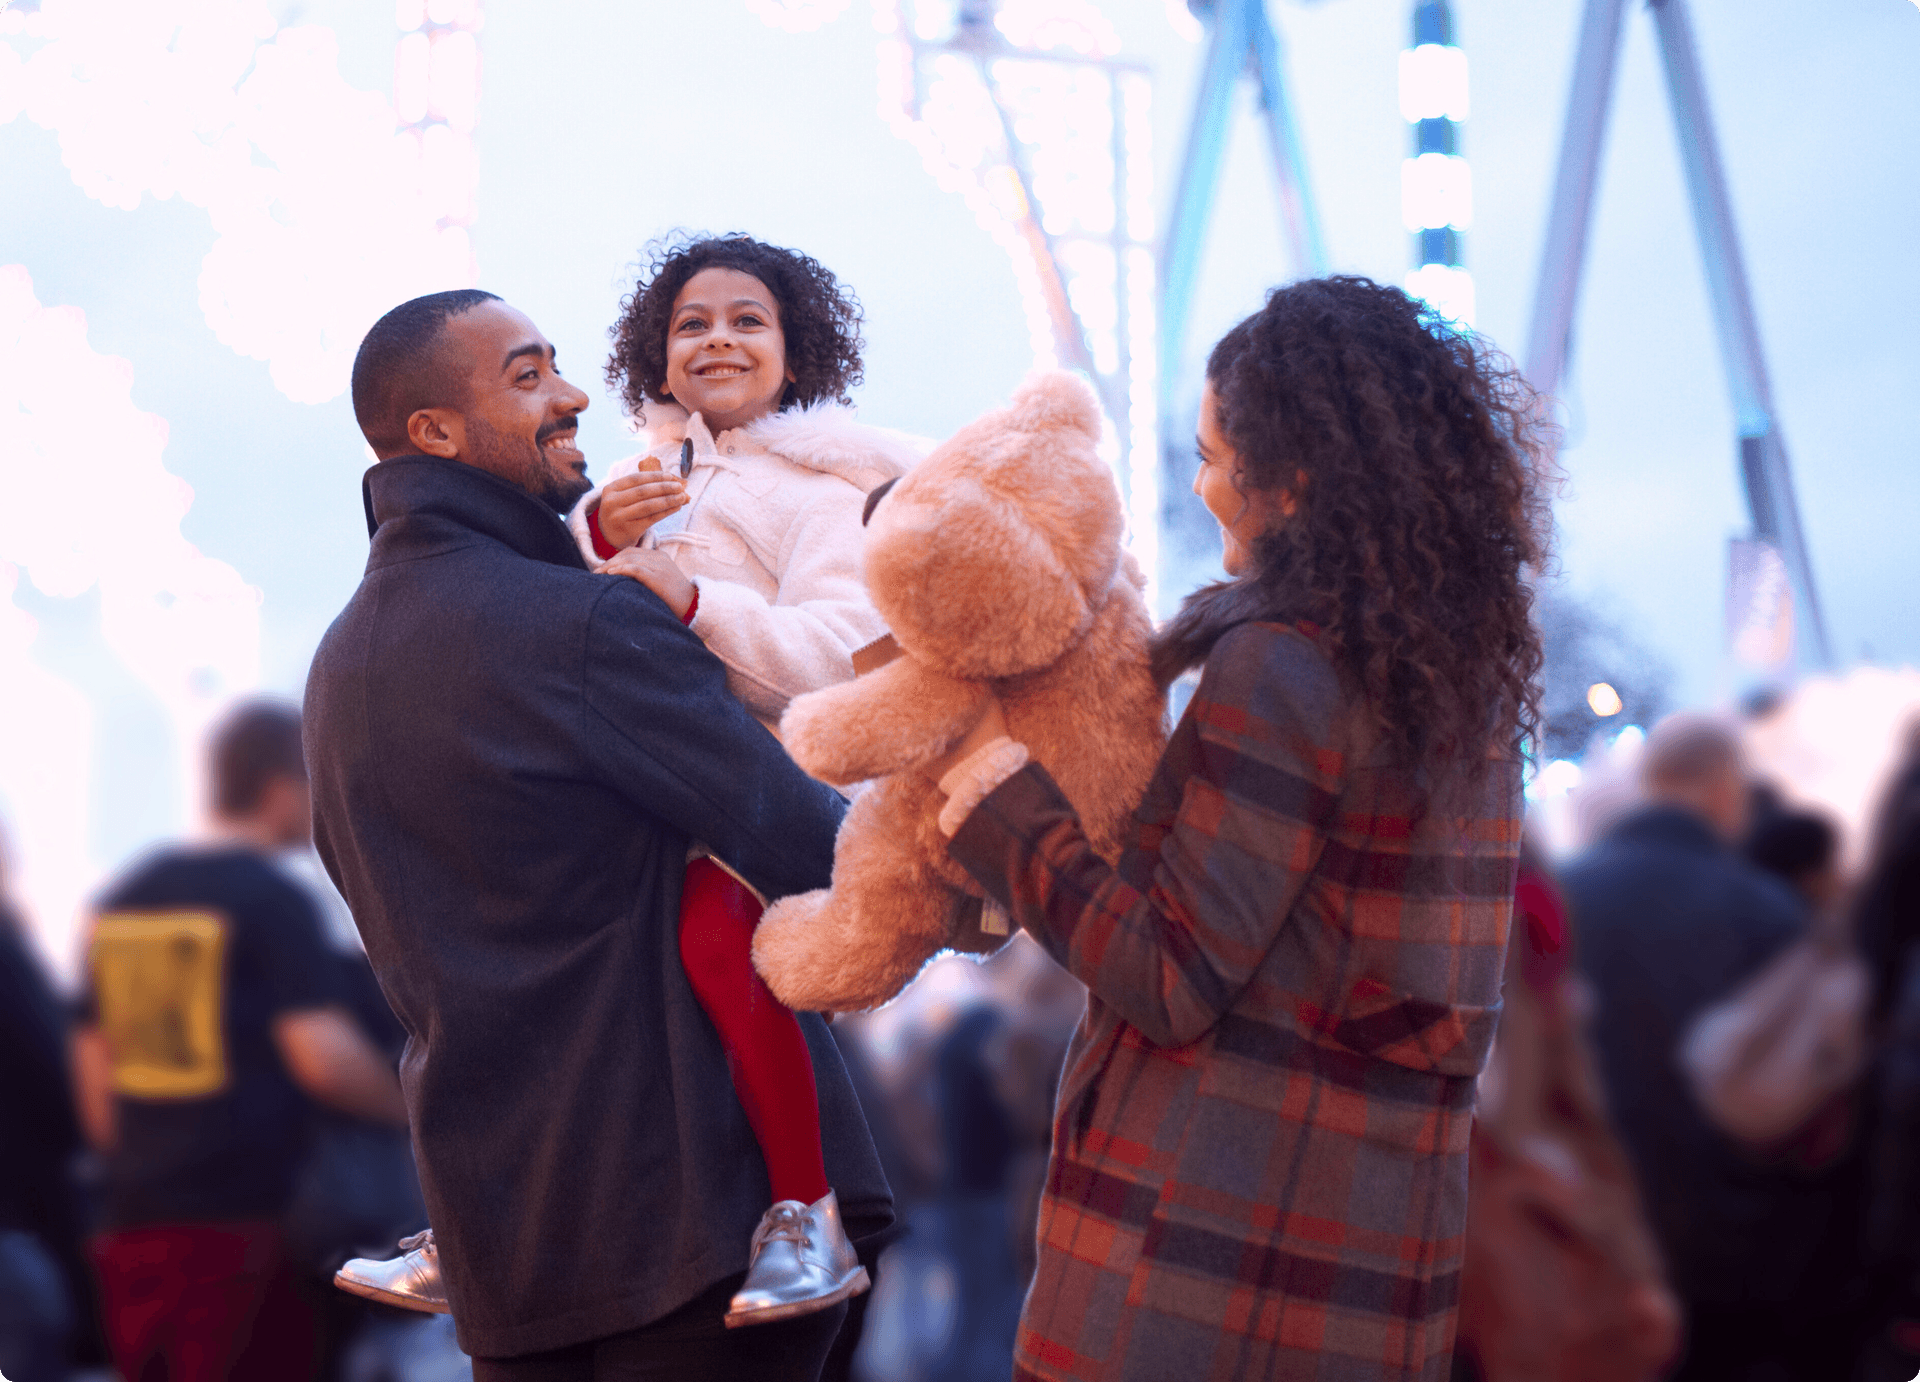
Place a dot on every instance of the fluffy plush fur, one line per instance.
(997, 565)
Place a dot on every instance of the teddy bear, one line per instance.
(997, 565)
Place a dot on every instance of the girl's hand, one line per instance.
(991, 725)
(657, 572)
(634, 503)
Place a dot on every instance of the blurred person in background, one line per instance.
(1801, 848)
(1888, 921)
(1671, 920)
(972, 1060)
(1563, 1281)
(211, 1014)
(44, 1297)
(358, 1190)
(996, 1073)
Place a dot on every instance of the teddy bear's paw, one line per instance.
(816, 959)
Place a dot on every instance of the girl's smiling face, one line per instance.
(726, 354)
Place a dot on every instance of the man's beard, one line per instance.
(525, 464)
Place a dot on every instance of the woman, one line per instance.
(1259, 1164)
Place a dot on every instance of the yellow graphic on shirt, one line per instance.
(160, 981)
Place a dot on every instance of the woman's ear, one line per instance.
(1290, 501)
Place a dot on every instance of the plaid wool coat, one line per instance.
(1260, 1150)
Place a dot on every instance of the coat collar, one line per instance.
(1670, 825)
(405, 487)
(827, 437)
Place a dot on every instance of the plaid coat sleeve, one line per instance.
(1259, 1159)
(1171, 937)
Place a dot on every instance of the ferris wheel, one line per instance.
(1028, 109)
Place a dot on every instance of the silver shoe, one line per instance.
(801, 1262)
(410, 1281)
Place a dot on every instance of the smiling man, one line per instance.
(510, 755)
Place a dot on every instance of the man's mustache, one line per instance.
(546, 434)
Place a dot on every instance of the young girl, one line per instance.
(744, 515)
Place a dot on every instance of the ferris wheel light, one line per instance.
(412, 78)
(1436, 191)
(1433, 83)
(1445, 288)
(1603, 700)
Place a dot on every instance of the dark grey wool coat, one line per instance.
(509, 756)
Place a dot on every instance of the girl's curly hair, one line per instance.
(819, 318)
(1422, 450)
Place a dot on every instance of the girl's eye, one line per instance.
(693, 324)
(748, 319)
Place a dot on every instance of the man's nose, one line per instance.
(573, 398)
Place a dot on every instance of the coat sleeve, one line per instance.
(1171, 936)
(665, 733)
(804, 638)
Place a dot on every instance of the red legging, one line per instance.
(766, 1054)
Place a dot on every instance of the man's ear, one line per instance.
(438, 432)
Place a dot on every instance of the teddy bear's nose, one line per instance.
(874, 497)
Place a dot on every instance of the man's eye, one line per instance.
(529, 374)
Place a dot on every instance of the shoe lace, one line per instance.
(420, 1242)
(786, 1221)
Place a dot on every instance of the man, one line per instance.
(1671, 920)
(39, 1135)
(209, 1019)
(511, 756)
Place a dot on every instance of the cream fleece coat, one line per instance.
(771, 537)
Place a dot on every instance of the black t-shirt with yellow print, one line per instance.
(193, 956)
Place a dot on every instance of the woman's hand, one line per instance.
(991, 725)
(634, 503)
(657, 572)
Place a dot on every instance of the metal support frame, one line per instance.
(1765, 471)
(1242, 40)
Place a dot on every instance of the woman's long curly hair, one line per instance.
(1422, 451)
(819, 319)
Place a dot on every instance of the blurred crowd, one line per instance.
(1695, 1143)
(1696, 1153)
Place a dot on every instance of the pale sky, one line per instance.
(603, 124)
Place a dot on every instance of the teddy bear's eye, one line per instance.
(873, 499)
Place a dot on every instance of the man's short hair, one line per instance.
(1690, 749)
(258, 742)
(400, 370)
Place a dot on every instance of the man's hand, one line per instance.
(634, 503)
(657, 572)
(991, 725)
(334, 1064)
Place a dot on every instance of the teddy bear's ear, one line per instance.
(1056, 399)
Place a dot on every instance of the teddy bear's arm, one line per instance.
(889, 721)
